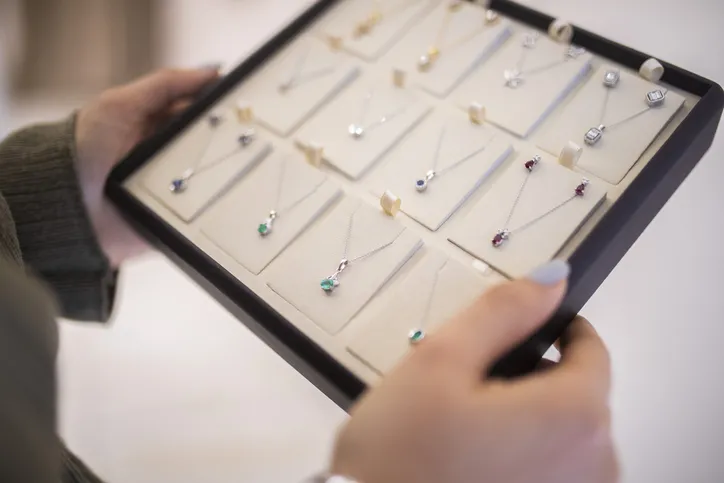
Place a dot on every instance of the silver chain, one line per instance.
(431, 295)
(296, 78)
(515, 77)
(280, 183)
(197, 168)
(348, 239)
(357, 130)
(604, 109)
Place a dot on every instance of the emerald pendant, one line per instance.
(329, 284)
(415, 336)
(265, 228)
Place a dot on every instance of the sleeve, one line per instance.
(54, 235)
(30, 448)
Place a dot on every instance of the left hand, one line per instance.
(109, 127)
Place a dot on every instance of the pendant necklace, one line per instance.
(298, 77)
(330, 283)
(358, 130)
(505, 233)
(265, 228)
(427, 60)
(517, 75)
(611, 78)
(379, 14)
(180, 184)
(415, 336)
(422, 184)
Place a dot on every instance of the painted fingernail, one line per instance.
(551, 273)
(215, 67)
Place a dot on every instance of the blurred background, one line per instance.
(183, 393)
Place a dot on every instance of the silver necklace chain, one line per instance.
(180, 184)
(358, 130)
(516, 76)
(422, 184)
(417, 335)
(296, 78)
(505, 233)
(266, 227)
(330, 283)
(611, 79)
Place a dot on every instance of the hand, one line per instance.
(109, 127)
(436, 419)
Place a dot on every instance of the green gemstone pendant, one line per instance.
(416, 336)
(329, 284)
(265, 228)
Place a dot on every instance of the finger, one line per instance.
(500, 319)
(584, 358)
(158, 91)
(545, 365)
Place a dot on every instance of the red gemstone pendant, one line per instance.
(500, 238)
(529, 165)
(581, 188)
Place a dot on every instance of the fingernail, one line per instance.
(215, 67)
(552, 273)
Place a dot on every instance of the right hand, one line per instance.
(434, 419)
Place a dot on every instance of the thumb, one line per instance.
(156, 92)
(500, 319)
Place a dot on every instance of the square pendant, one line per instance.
(611, 78)
(593, 136)
(655, 98)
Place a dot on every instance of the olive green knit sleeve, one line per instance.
(44, 224)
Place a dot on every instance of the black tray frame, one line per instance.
(591, 263)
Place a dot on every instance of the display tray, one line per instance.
(268, 189)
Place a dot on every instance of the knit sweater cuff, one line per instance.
(40, 185)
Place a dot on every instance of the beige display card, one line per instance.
(313, 74)
(217, 157)
(463, 39)
(432, 292)
(531, 243)
(468, 154)
(547, 74)
(395, 19)
(384, 112)
(284, 183)
(622, 144)
(297, 273)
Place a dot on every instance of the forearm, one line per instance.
(28, 344)
(49, 220)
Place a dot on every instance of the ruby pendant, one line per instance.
(500, 238)
(581, 188)
(529, 165)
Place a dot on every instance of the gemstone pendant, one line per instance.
(265, 228)
(530, 39)
(611, 78)
(500, 238)
(247, 137)
(426, 60)
(356, 131)
(416, 336)
(421, 184)
(531, 164)
(178, 185)
(215, 120)
(513, 78)
(329, 284)
(581, 188)
(491, 17)
(655, 98)
(574, 52)
(594, 135)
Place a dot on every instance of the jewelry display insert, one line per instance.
(297, 83)
(396, 158)
(362, 124)
(432, 292)
(615, 117)
(530, 70)
(268, 209)
(528, 215)
(439, 165)
(368, 28)
(447, 44)
(336, 267)
(210, 158)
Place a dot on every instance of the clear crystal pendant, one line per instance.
(425, 62)
(513, 78)
(611, 78)
(655, 98)
(356, 131)
(594, 135)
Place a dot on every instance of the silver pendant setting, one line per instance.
(247, 137)
(501, 237)
(356, 131)
(594, 135)
(655, 98)
(611, 78)
(264, 229)
(513, 78)
(181, 184)
(416, 336)
(330, 283)
(421, 184)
